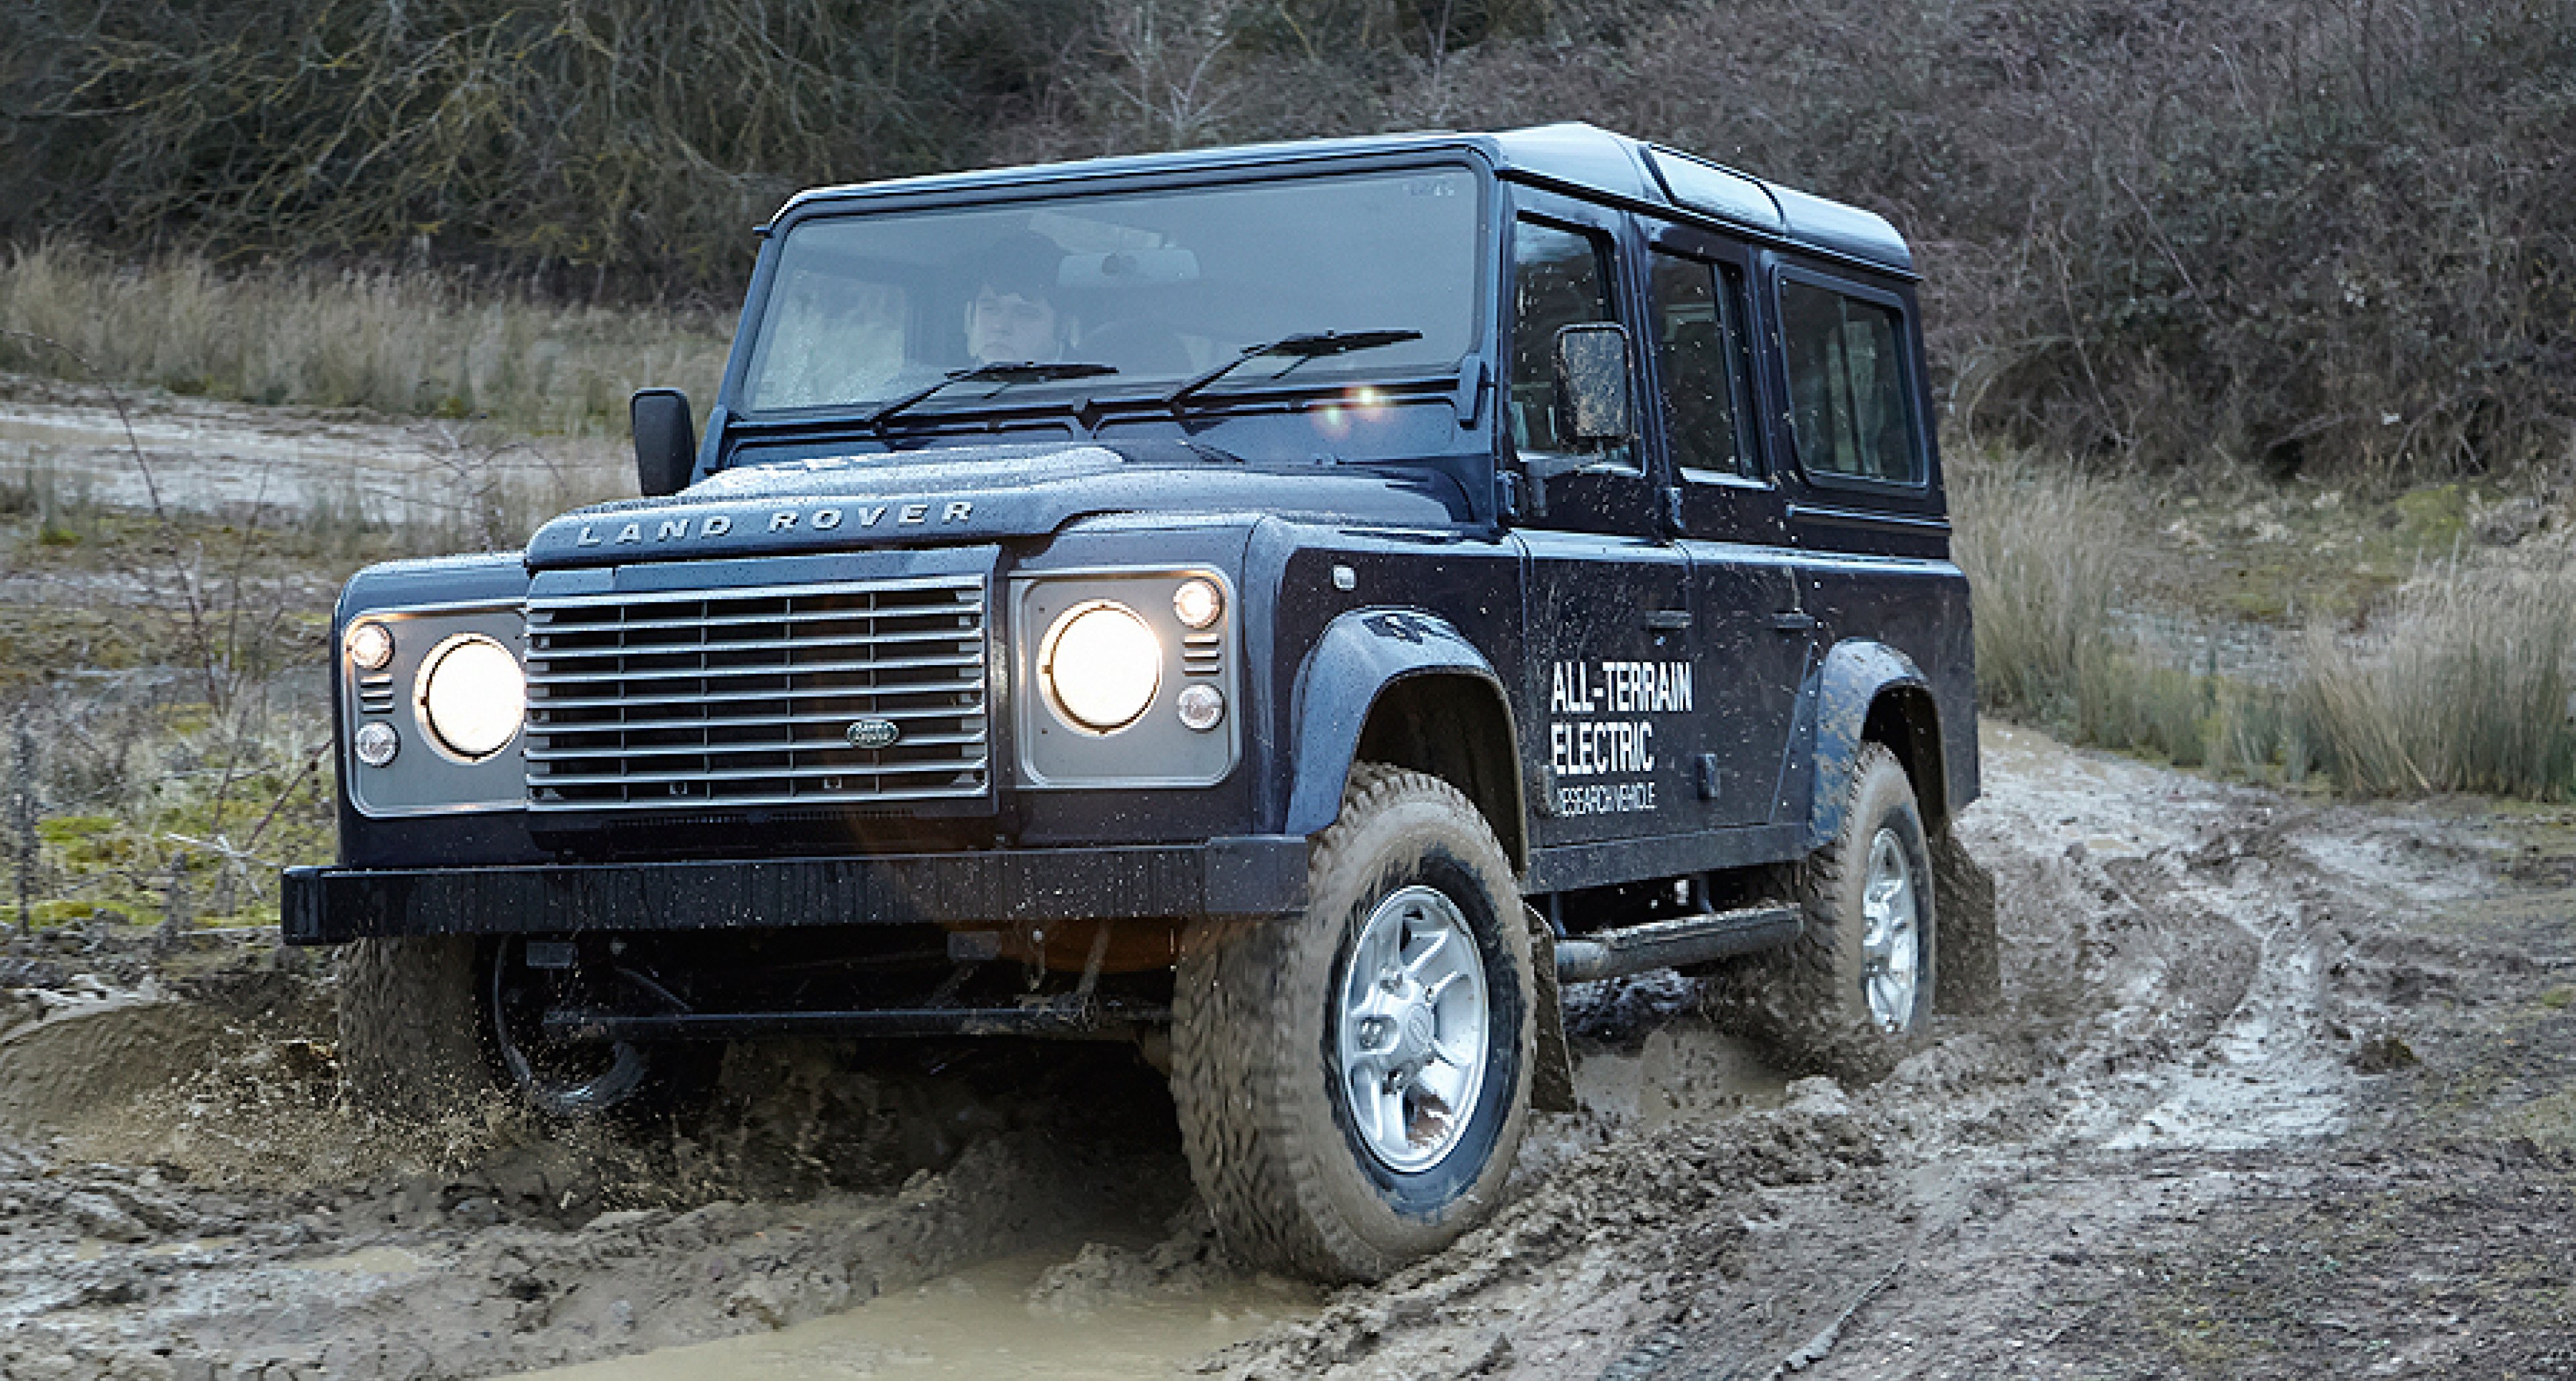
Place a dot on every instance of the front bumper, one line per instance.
(1256, 876)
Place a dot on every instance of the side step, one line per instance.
(1670, 944)
(1053, 1017)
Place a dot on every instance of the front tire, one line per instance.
(1353, 1084)
(406, 1022)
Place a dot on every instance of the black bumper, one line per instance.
(1248, 877)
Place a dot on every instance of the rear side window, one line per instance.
(1847, 387)
(1699, 355)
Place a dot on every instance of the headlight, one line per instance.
(473, 696)
(1101, 665)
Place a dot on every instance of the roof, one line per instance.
(1577, 157)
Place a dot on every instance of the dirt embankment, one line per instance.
(2276, 1088)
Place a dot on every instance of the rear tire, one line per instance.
(1315, 1059)
(406, 1019)
(583, 1080)
(1853, 994)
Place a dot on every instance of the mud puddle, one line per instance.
(1080, 1317)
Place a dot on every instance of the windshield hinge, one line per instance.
(1470, 397)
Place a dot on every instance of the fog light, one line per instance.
(1198, 602)
(371, 646)
(1200, 707)
(377, 743)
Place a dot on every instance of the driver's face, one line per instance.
(1006, 328)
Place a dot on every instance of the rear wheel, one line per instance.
(574, 1077)
(1853, 993)
(1353, 1084)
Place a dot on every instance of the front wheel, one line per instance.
(1353, 1084)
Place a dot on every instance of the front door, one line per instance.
(1609, 686)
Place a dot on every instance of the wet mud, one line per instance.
(2272, 1086)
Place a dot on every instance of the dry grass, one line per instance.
(2466, 688)
(414, 343)
(2040, 546)
(2466, 683)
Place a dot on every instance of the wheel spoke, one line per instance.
(1393, 1129)
(1439, 942)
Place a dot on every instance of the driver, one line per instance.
(1013, 317)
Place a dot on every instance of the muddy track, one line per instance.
(2265, 1074)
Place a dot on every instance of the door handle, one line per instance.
(1794, 621)
(1668, 619)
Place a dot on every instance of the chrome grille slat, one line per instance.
(957, 687)
(766, 721)
(682, 700)
(760, 775)
(941, 635)
(802, 745)
(544, 621)
(789, 668)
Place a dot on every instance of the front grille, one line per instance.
(750, 697)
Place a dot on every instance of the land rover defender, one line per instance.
(1346, 590)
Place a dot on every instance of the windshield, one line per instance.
(1160, 287)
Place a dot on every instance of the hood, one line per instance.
(974, 494)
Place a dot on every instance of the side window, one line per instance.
(1699, 353)
(1558, 280)
(1847, 385)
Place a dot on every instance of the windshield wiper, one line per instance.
(1022, 373)
(1304, 346)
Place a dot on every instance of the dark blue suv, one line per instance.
(1290, 606)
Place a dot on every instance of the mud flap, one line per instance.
(1552, 1079)
(1969, 978)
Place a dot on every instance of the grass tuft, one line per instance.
(2039, 546)
(2465, 682)
(2466, 688)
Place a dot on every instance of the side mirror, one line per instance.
(666, 440)
(1592, 382)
